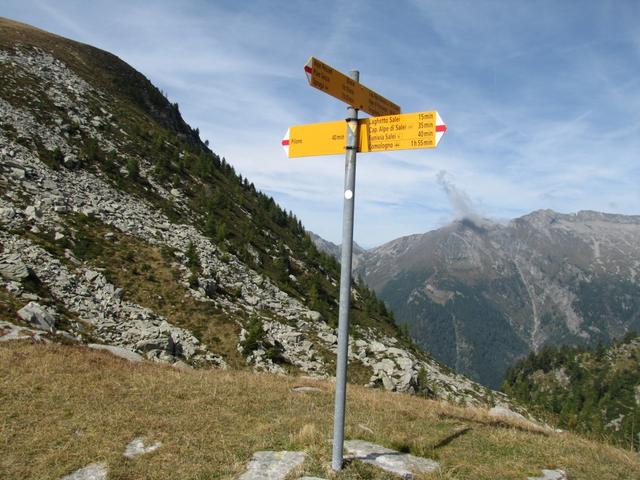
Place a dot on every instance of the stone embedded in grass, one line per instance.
(136, 447)
(402, 464)
(180, 365)
(12, 332)
(272, 465)
(118, 352)
(502, 411)
(551, 475)
(305, 389)
(95, 471)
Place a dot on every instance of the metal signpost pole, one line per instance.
(345, 281)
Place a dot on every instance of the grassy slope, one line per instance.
(64, 407)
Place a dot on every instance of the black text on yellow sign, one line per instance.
(338, 85)
(376, 134)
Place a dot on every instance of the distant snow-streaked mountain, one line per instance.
(479, 295)
(332, 249)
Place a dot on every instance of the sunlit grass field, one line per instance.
(64, 407)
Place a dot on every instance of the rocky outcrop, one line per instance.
(12, 268)
(99, 304)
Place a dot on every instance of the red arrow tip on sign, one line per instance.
(441, 127)
(285, 142)
(308, 70)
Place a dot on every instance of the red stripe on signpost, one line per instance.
(441, 128)
(285, 143)
(308, 69)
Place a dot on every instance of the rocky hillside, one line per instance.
(121, 229)
(593, 390)
(480, 295)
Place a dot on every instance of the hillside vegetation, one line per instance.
(64, 407)
(590, 390)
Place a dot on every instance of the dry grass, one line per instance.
(64, 407)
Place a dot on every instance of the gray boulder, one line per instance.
(7, 213)
(12, 267)
(208, 286)
(32, 212)
(37, 316)
(164, 344)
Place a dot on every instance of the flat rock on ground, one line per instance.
(272, 465)
(118, 352)
(551, 475)
(137, 447)
(95, 471)
(305, 389)
(14, 332)
(402, 464)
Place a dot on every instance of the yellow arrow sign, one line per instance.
(328, 138)
(338, 85)
(377, 134)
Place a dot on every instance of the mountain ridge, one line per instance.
(533, 279)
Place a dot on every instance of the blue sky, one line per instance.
(541, 98)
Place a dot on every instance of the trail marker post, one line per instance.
(345, 282)
(386, 130)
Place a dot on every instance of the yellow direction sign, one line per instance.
(328, 138)
(401, 132)
(407, 131)
(338, 85)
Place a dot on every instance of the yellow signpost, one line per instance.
(338, 85)
(406, 131)
(385, 131)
